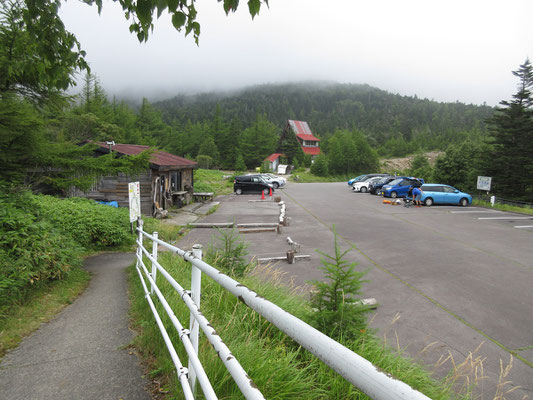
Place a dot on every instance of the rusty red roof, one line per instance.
(159, 157)
(302, 130)
(273, 157)
(313, 151)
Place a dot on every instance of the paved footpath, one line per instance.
(80, 354)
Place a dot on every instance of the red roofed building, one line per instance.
(308, 142)
(273, 161)
(168, 182)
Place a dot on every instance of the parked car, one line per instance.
(362, 186)
(375, 187)
(436, 193)
(276, 181)
(363, 177)
(251, 184)
(400, 186)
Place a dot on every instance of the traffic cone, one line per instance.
(270, 192)
(262, 195)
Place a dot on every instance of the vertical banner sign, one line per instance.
(134, 189)
(483, 183)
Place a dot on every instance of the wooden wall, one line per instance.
(115, 188)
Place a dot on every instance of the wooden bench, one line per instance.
(203, 197)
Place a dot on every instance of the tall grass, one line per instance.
(276, 364)
(208, 180)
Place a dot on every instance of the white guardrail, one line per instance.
(354, 368)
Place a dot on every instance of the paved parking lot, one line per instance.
(448, 277)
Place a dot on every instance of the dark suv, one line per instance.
(252, 184)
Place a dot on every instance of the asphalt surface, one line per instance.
(447, 282)
(81, 353)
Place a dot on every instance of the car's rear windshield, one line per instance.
(396, 182)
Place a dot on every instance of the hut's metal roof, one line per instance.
(158, 158)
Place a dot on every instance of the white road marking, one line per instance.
(474, 211)
(524, 226)
(511, 218)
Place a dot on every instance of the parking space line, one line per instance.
(511, 218)
(524, 226)
(475, 211)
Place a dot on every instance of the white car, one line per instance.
(276, 181)
(271, 179)
(363, 185)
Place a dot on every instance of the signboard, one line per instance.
(282, 169)
(483, 183)
(134, 189)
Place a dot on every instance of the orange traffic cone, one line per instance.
(270, 192)
(262, 195)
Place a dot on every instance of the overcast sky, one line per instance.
(445, 50)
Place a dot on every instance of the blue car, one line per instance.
(400, 187)
(436, 193)
(356, 179)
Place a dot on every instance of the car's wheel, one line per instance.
(428, 202)
(393, 195)
(238, 191)
(276, 185)
(363, 189)
(463, 202)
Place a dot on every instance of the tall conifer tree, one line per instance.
(510, 160)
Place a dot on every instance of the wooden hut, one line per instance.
(168, 182)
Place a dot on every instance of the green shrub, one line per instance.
(93, 225)
(42, 238)
(32, 250)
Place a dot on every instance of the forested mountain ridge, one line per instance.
(330, 106)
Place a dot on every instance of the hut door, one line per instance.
(175, 179)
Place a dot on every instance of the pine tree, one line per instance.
(510, 159)
(239, 163)
(338, 311)
(258, 141)
(228, 146)
(320, 166)
(208, 148)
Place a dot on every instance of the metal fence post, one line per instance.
(154, 255)
(196, 287)
(140, 237)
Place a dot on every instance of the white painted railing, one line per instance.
(354, 368)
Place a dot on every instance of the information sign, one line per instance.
(134, 189)
(483, 183)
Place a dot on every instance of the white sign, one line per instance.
(483, 183)
(134, 189)
(282, 169)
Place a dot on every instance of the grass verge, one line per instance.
(503, 207)
(209, 180)
(40, 306)
(307, 177)
(277, 365)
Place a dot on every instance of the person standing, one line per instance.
(417, 195)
